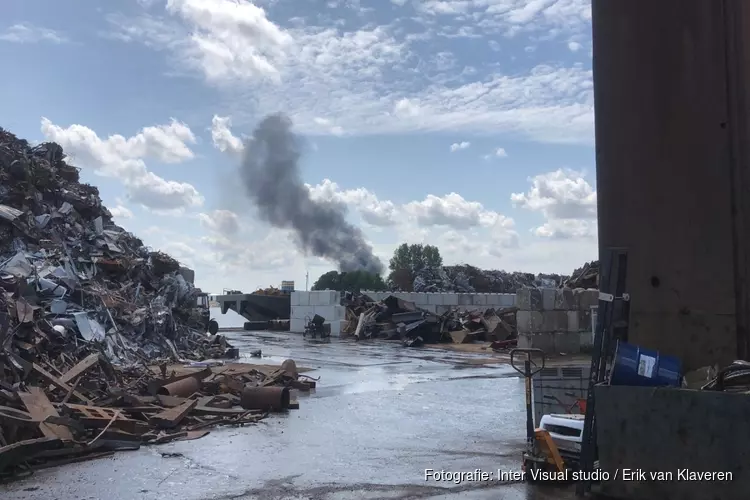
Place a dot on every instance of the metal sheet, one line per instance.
(665, 429)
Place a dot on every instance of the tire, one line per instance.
(213, 327)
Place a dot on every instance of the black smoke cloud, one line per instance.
(270, 173)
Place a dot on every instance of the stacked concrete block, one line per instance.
(435, 299)
(444, 301)
(507, 299)
(529, 299)
(555, 320)
(300, 299)
(334, 315)
(337, 328)
(297, 325)
(440, 310)
(548, 298)
(302, 312)
(324, 298)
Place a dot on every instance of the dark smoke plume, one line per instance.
(271, 176)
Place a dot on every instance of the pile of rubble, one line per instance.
(470, 279)
(53, 413)
(584, 277)
(271, 290)
(85, 312)
(397, 319)
(69, 273)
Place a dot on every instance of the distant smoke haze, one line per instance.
(271, 176)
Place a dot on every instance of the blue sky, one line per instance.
(467, 124)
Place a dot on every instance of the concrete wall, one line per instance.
(326, 303)
(440, 303)
(667, 429)
(556, 320)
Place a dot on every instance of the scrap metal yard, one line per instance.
(380, 416)
(420, 379)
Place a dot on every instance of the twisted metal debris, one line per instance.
(70, 273)
(85, 308)
(470, 279)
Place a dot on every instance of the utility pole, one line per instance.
(307, 278)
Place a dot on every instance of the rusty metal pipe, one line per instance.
(265, 398)
(181, 388)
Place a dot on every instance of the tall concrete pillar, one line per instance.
(673, 178)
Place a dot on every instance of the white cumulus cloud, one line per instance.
(29, 33)
(370, 77)
(566, 200)
(457, 146)
(224, 222)
(124, 159)
(222, 136)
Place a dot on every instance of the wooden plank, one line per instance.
(360, 325)
(16, 453)
(222, 412)
(170, 401)
(302, 385)
(172, 417)
(81, 367)
(40, 408)
(124, 424)
(218, 402)
(205, 401)
(59, 384)
(99, 417)
(134, 400)
(139, 409)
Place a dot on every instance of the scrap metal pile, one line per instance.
(470, 279)
(70, 275)
(397, 319)
(271, 290)
(584, 277)
(84, 309)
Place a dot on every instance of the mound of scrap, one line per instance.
(397, 319)
(86, 311)
(469, 279)
(586, 276)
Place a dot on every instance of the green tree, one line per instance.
(409, 260)
(351, 282)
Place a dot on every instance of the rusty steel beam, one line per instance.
(671, 101)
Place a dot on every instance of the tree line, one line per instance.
(406, 263)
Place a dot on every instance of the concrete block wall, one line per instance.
(316, 298)
(326, 303)
(441, 302)
(555, 319)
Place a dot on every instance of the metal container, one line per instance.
(265, 398)
(182, 388)
(636, 366)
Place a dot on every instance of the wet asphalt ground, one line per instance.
(380, 417)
